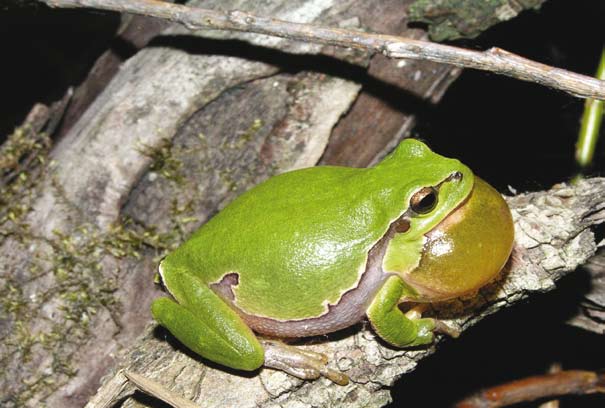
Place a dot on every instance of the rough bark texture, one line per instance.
(454, 19)
(591, 312)
(184, 126)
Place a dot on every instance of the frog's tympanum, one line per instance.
(316, 250)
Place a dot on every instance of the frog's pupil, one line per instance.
(424, 200)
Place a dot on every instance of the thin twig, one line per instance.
(493, 60)
(124, 383)
(554, 368)
(533, 388)
(591, 124)
(116, 389)
(159, 391)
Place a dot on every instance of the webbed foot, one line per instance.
(444, 328)
(416, 312)
(300, 363)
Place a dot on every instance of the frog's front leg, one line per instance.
(395, 327)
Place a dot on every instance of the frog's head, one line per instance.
(456, 231)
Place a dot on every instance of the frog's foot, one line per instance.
(415, 313)
(300, 363)
(444, 328)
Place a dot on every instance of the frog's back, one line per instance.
(296, 242)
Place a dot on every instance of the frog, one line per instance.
(317, 250)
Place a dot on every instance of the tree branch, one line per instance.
(537, 387)
(494, 60)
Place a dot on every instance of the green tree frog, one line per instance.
(316, 250)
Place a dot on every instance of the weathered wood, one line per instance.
(591, 312)
(134, 33)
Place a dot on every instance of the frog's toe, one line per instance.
(441, 327)
(312, 354)
(300, 363)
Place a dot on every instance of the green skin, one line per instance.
(298, 242)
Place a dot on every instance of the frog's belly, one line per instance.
(350, 309)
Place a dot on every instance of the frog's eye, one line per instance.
(424, 200)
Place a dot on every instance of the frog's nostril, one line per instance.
(456, 176)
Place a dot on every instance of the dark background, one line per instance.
(511, 133)
(44, 52)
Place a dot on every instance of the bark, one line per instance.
(591, 311)
(184, 127)
(134, 33)
(495, 59)
(454, 19)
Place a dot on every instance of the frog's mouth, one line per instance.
(467, 249)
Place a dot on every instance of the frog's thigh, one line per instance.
(204, 323)
(391, 324)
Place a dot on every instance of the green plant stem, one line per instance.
(591, 124)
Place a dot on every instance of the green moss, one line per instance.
(74, 257)
(21, 158)
(163, 161)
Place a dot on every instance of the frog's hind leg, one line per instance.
(204, 323)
